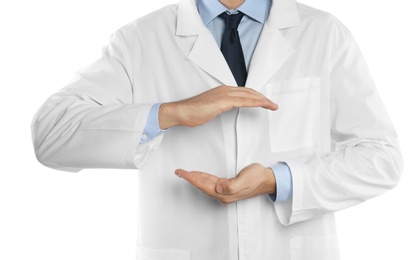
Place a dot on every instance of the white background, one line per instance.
(52, 215)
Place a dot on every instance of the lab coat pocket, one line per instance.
(295, 124)
(145, 253)
(314, 248)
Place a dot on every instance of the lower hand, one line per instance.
(252, 181)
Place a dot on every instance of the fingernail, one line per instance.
(178, 175)
(219, 188)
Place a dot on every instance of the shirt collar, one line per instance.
(256, 9)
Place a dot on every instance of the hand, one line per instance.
(252, 181)
(204, 107)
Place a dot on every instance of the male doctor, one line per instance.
(265, 106)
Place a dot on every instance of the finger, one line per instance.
(245, 92)
(207, 176)
(203, 175)
(269, 104)
(244, 97)
(203, 181)
(187, 175)
(263, 103)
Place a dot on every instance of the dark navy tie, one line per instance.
(232, 49)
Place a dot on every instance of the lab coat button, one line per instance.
(144, 137)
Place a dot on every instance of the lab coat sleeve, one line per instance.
(364, 161)
(94, 122)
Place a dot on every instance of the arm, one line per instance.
(365, 160)
(93, 122)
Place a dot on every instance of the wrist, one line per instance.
(168, 115)
(270, 181)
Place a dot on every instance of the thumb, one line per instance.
(227, 187)
(219, 189)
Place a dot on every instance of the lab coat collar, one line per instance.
(283, 15)
(258, 10)
(271, 52)
(201, 48)
(188, 20)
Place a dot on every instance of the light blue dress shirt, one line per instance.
(256, 13)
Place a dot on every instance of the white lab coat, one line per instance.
(331, 128)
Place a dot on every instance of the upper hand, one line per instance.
(204, 107)
(252, 181)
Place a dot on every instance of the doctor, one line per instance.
(306, 136)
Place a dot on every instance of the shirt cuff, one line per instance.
(283, 180)
(152, 128)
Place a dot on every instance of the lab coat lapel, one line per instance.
(270, 54)
(199, 45)
(208, 57)
(272, 50)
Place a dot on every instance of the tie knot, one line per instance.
(232, 20)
